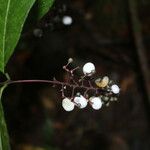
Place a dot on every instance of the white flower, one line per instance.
(80, 101)
(67, 20)
(115, 89)
(89, 69)
(67, 104)
(96, 102)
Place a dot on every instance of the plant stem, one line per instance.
(55, 82)
(4, 138)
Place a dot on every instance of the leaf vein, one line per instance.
(5, 28)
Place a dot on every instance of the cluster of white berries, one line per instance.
(96, 102)
(81, 102)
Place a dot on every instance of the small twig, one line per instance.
(73, 89)
(82, 80)
(74, 82)
(96, 92)
(72, 71)
(90, 84)
(62, 91)
(65, 68)
(85, 92)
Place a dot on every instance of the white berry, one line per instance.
(67, 20)
(67, 104)
(80, 101)
(115, 89)
(89, 69)
(96, 102)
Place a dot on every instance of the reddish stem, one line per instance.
(55, 82)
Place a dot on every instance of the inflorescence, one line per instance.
(95, 92)
(79, 91)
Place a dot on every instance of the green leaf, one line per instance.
(43, 7)
(4, 138)
(13, 14)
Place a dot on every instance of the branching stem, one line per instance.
(55, 82)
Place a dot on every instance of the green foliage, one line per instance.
(12, 17)
(43, 7)
(13, 14)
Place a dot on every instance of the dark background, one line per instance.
(114, 35)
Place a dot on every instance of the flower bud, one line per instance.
(70, 60)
